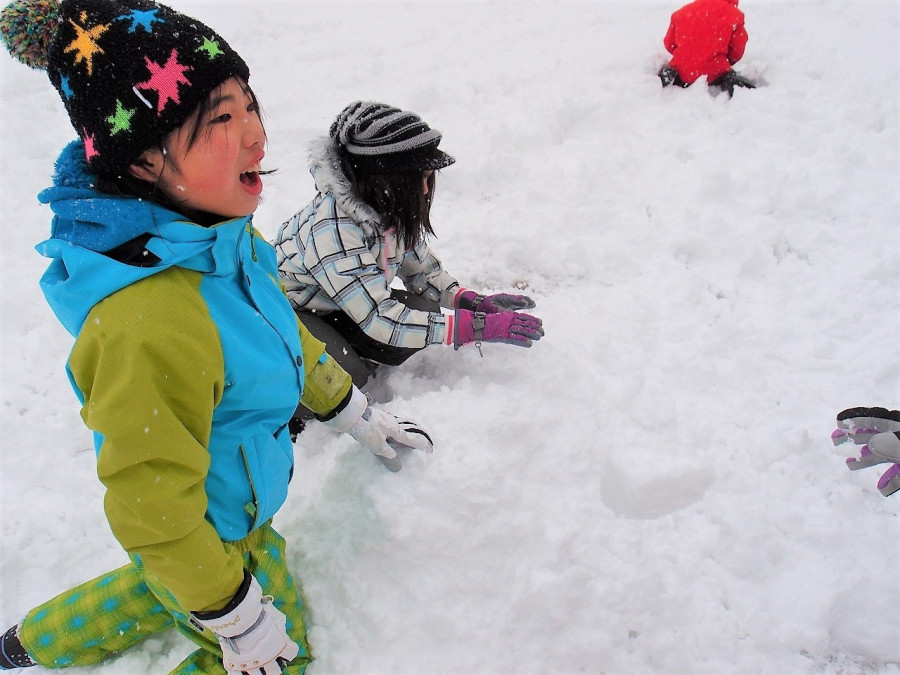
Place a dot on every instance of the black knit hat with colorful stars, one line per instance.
(128, 72)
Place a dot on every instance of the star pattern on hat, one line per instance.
(65, 87)
(143, 20)
(85, 43)
(89, 150)
(211, 47)
(121, 119)
(165, 80)
(129, 72)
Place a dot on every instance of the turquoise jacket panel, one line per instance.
(250, 449)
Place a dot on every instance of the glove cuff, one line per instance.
(461, 294)
(466, 299)
(239, 615)
(468, 326)
(450, 328)
(350, 413)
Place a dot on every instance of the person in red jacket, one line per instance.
(706, 37)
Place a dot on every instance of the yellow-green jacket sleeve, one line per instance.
(149, 364)
(326, 383)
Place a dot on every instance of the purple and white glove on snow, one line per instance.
(511, 328)
(492, 304)
(878, 431)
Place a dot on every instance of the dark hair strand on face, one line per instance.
(401, 203)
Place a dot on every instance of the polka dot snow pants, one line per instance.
(115, 611)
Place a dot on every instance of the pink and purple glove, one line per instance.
(491, 304)
(878, 431)
(511, 328)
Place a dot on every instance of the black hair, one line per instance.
(124, 183)
(399, 200)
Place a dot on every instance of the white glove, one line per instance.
(252, 633)
(379, 430)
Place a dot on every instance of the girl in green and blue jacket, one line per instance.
(188, 359)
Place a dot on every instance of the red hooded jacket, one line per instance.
(706, 37)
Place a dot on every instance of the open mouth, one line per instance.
(250, 178)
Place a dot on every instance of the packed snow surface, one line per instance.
(651, 488)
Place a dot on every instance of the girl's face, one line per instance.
(218, 171)
(426, 175)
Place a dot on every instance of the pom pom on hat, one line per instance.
(27, 26)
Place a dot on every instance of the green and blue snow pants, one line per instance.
(115, 611)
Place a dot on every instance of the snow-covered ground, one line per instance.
(651, 488)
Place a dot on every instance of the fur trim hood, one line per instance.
(328, 172)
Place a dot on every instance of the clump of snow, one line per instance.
(651, 487)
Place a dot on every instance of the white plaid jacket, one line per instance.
(334, 255)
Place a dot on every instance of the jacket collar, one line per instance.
(91, 219)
